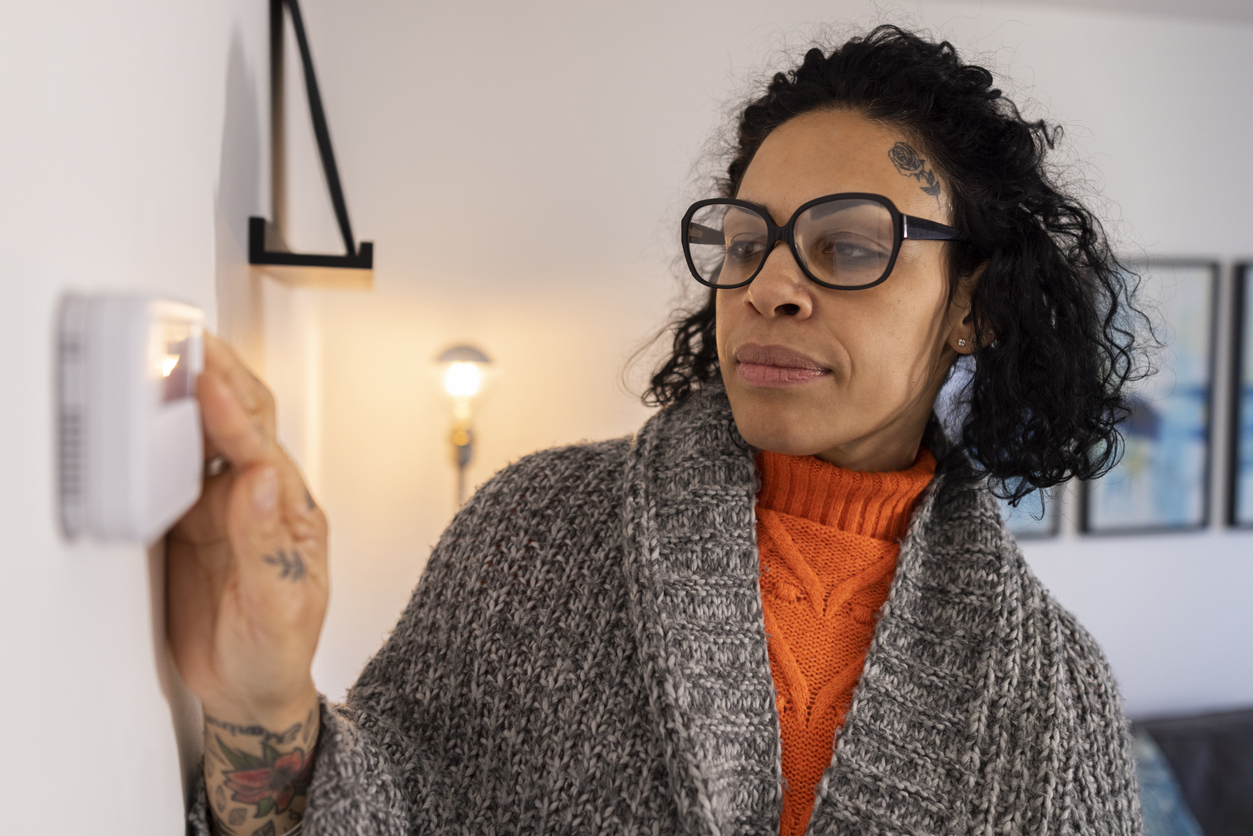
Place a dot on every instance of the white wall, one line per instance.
(130, 155)
(487, 147)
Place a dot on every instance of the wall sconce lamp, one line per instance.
(463, 378)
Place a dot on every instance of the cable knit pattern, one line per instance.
(585, 653)
(828, 541)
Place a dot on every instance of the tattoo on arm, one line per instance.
(289, 561)
(271, 787)
(276, 738)
(270, 781)
(219, 828)
(907, 162)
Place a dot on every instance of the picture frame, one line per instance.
(1161, 482)
(1240, 485)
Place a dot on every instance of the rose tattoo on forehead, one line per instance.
(908, 162)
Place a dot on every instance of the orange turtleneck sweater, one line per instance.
(828, 539)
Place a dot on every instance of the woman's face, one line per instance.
(848, 376)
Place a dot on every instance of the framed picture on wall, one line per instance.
(1162, 481)
(1036, 516)
(1241, 512)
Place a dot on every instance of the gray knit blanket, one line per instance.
(585, 654)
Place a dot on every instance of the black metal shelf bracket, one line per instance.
(265, 240)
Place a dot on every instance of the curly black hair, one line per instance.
(1047, 391)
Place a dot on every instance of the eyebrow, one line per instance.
(760, 207)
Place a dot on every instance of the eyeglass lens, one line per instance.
(846, 242)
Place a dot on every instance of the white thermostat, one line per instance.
(130, 437)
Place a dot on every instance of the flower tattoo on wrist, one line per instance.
(270, 781)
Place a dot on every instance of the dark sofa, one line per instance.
(1211, 756)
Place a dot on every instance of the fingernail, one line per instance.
(265, 493)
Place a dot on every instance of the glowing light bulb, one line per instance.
(462, 380)
(168, 362)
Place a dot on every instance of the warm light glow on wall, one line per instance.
(462, 379)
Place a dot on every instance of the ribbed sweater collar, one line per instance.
(693, 580)
(875, 505)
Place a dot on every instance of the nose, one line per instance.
(781, 289)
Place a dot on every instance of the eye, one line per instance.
(745, 248)
(849, 252)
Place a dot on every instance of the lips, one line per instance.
(776, 366)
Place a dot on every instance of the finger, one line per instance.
(215, 362)
(228, 427)
(251, 393)
(202, 525)
(269, 561)
(253, 521)
(273, 573)
(232, 432)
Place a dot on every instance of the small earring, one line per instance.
(961, 343)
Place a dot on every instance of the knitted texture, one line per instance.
(585, 653)
(877, 505)
(828, 544)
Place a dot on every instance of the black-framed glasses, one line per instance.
(846, 241)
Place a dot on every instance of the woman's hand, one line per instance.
(246, 594)
(247, 574)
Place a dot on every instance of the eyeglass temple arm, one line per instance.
(921, 229)
(697, 234)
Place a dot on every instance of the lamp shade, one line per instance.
(464, 354)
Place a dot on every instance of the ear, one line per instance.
(961, 327)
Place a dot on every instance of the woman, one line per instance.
(789, 601)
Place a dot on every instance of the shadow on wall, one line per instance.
(239, 300)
